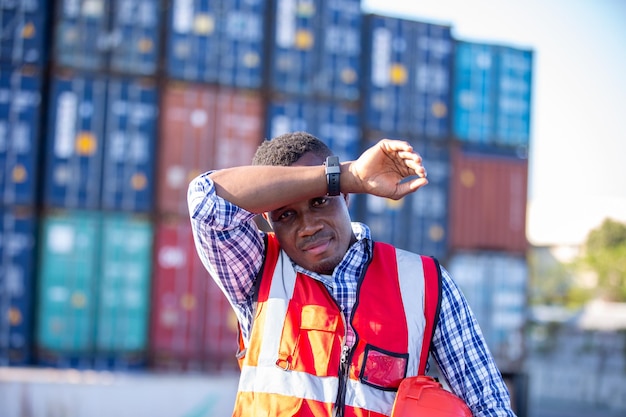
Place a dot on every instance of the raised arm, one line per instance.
(384, 170)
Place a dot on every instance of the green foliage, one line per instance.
(550, 280)
(605, 256)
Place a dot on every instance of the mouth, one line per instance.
(318, 248)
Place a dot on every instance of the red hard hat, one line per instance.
(423, 396)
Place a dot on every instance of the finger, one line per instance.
(396, 145)
(410, 186)
(417, 184)
(410, 155)
(417, 167)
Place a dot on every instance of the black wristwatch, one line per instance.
(333, 170)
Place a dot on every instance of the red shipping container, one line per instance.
(488, 197)
(203, 127)
(193, 327)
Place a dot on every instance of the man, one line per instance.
(331, 321)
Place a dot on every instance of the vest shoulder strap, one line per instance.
(432, 306)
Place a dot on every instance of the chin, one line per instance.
(324, 267)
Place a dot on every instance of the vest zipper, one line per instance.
(343, 379)
(344, 369)
(346, 351)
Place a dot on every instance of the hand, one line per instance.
(386, 169)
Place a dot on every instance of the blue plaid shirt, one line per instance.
(231, 248)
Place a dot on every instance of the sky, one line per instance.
(577, 158)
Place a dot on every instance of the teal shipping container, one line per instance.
(94, 287)
(123, 289)
(492, 94)
(68, 265)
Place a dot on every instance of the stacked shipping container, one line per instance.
(488, 192)
(140, 99)
(407, 95)
(23, 55)
(212, 117)
(94, 270)
(466, 108)
(407, 82)
(203, 127)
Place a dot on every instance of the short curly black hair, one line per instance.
(286, 149)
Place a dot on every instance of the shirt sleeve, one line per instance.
(464, 358)
(228, 243)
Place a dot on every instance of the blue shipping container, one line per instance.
(120, 35)
(20, 101)
(337, 124)
(74, 142)
(492, 94)
(386, 218)
(135, 36)
(514, 96)
(496, 287)
(428, 216)
(408, 73)
(419, 221)
(293, 62)
(339, 63)
(81, 34)
(129, 145)
(17, 278)
(216, 41)
(23, 25)
(315, 48)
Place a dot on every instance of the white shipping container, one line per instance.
(495, 285)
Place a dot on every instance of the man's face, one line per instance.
(315, 233)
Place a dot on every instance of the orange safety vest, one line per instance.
(296, 363)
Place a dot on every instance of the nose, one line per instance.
(309, 225)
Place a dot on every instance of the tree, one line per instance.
(551, 281)
(605, 255)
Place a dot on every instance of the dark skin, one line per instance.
(315, 229)
(315, 233)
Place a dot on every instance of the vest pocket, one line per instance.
(310, 341)
(383, 369)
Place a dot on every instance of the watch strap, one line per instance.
(333, 171)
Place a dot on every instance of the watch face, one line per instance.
(332, 161)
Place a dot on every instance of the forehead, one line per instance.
(309, 159)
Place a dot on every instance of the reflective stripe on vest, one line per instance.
(268, 372)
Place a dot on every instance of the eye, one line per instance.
(319, 201)
(282, 216)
